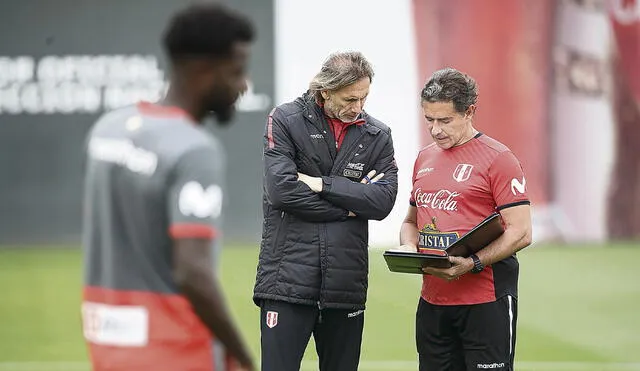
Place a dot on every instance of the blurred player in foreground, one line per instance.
(153, 195)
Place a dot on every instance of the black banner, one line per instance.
(62, 64)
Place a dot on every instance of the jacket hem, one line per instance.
(258, 297)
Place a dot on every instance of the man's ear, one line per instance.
(470, 111)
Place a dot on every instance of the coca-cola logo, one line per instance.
(625, 12)
(440, 200)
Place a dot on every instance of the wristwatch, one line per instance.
(477, 264)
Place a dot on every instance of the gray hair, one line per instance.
(339, 70)
(451, 85)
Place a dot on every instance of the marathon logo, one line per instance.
(489, 366)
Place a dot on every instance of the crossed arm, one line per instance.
(325, 199)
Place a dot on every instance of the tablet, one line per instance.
(473, 241)
(413, 262)
(480, 236)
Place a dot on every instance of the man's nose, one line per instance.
(244, 86)
(435, 129)
(357, 106)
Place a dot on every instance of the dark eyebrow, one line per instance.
(438, 118)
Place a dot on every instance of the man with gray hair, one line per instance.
(329, 168)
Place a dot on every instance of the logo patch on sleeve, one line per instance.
(200, 202)
(516, 185)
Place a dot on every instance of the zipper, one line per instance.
(323, 269)
(279, 231)
(333, 152)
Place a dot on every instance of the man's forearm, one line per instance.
(297, 199)
(511, 241)
(371, 201)
(314, 215)
(314, 210)
(408, 234)
(204, 293)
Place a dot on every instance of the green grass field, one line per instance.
(579, 309)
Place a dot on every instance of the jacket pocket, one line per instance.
(280, 230)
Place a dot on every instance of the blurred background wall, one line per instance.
(559, 84)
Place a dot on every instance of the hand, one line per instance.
(369, 178)
(351, 214)
(248, 367)
(315, 183)
(405, 248)
(459, 267)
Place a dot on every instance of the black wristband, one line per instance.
(477, 264)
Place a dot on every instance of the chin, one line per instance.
(348, 119)
(223, 116)
(443, 145)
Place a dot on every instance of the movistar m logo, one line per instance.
(516, 185)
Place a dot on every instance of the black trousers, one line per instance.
(467, 337)
(286, 329)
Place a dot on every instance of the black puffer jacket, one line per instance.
(312, 252)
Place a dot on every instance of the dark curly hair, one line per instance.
(206, 30)
(451, 85)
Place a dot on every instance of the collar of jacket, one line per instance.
(313, 113)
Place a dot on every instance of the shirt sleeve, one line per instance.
(195, 195)
(508, 181)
